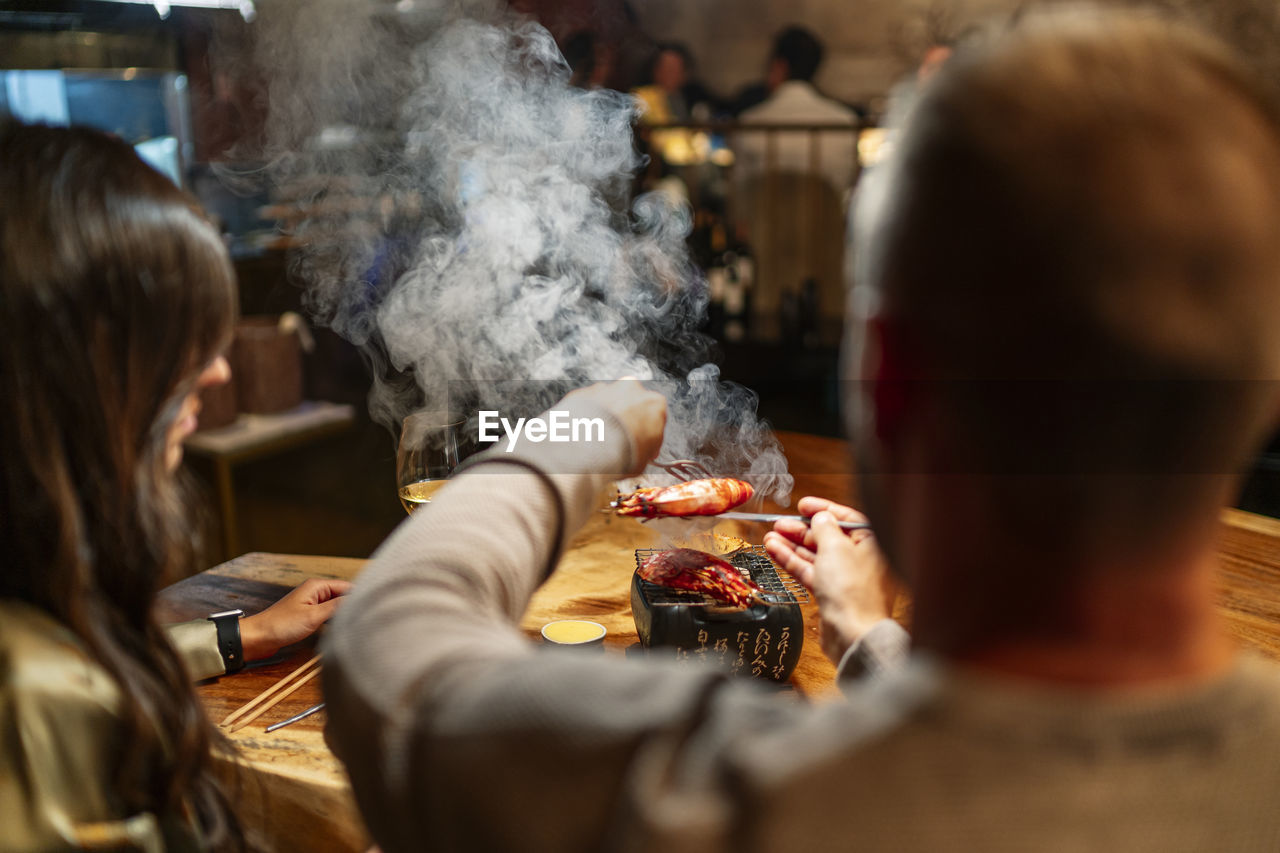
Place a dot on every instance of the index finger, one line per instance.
(792, 528)
(325, 588)
(811, 506)
(795, 560)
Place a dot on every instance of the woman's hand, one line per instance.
(642, 412)
(846, 572)
(295, 617)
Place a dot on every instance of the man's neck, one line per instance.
(1124, 628)
(793, 84)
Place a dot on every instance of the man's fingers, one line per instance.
(325, 609)
(810, 505)
(336, 588)
(317, 590)
(779, 547)
(827, 533)
(790, 558)
(792, 528)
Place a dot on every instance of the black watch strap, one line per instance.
(229, 645)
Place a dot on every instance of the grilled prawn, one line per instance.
(695, 497)
(698, 571)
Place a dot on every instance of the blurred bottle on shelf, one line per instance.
(717, 278)
(810, 312)
(739, 280)
(799, 315)
(730, 271)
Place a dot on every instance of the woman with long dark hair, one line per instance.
(117, 299)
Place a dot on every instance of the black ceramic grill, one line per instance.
(763, 640)
(755, 565)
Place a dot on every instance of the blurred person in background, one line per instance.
(1063, 372)
(117, 300)
(790, 198)
(673, 97)
(793, 99)
(590, 60)
(875, 143)
(935, 55)
(662, 96)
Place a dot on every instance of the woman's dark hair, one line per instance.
(114, 293)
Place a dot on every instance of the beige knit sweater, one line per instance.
(459, 734)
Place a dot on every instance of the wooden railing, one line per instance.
(784, 190)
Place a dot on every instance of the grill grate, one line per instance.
(753, 562)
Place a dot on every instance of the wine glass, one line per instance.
(431, 446)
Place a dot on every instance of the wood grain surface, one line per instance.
(1249, 586)
(293, 786)
(287, 785)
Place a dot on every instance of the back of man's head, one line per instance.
(1079, 241)
(800, 50)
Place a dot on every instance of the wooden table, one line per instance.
(298, 790)
(292, 789)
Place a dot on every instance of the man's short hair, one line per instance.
(801, 50)
(1079, 234)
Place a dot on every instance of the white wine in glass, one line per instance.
(430, 449)
(414, 495)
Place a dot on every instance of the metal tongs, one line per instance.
(684, 469)
(771, 517)
(689, 469)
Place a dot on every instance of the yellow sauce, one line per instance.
(572, 631)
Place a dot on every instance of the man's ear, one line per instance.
(886, 367)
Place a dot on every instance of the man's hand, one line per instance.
(295, 617)
(846, 572)
(642, 412)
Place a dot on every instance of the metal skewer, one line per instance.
(689, 469)
(307, 713)
(769, 518)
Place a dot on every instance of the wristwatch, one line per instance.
(229, 645)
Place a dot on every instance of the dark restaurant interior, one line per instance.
(1008, 479)
(191, 85)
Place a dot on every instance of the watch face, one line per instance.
(227, 614)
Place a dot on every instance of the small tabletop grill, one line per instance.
(763, 640)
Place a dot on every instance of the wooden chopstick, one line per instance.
(273, 694)
(275, 700)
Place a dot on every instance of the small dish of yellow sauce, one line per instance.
(573, 632)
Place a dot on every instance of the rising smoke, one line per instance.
(500, 244)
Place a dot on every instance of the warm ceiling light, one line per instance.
(244, 7)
